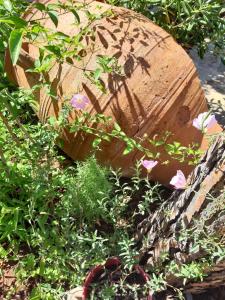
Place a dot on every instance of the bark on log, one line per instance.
(202, 203)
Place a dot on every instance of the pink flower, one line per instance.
(149, 164)
(179, 181)
(79, 101)
(204, 121)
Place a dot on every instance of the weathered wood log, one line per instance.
(200, 207)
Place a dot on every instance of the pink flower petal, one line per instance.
(149, 164)
(196, 124)
(179, 180)
(204, 121)
(79, 101)
(210, 121)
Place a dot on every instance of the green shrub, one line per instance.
(57, 218)
(191, 22)
(50, 209)
(89, 192)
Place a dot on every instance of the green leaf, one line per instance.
(15, 43)
(53, 7)
(3, 252)
(186, 8)
(8, 5)
(117, 127)
(96, 142)
(105, 137)
(1, 65)
(128, 149)
(14, 20)
(97, 74)
(54, 49)
(39, 6)
(62, 36)
(42, 267)
(54, 17)
(73, 11)
(52, 121)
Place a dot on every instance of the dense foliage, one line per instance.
(59, 219)
(191, 22)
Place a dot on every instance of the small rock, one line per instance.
(74, 294)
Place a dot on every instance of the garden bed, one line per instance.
(79, 229)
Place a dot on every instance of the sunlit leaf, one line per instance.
(14, 20)
(8, 5)
(15, 43)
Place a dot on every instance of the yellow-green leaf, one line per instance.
(14, 20)
(8, 5)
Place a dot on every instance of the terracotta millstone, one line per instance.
(159, 92)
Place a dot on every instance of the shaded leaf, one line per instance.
(40, 6)
(54, 17)
(54, 49)
(73, 11)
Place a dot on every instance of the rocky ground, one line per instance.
(211, 71)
